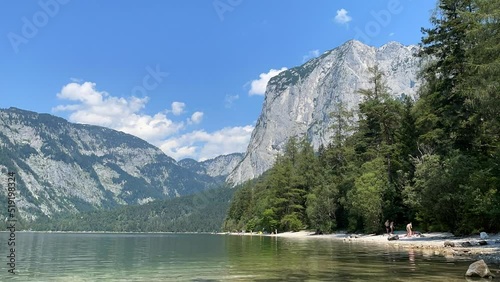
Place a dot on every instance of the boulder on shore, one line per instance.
(449, 244)
(466, 244)
(483, 235)
(393, 237)
(479, 269)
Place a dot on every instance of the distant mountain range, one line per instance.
(66, 167)
(298, 102)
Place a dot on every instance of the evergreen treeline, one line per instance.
(202, 212)
(435, 161)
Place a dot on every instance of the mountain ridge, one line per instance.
(219, 166)
(68, 167)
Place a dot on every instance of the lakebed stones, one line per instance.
(479, 269)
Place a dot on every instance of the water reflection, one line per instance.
(411, 258)
(173, 257)
(331, 260)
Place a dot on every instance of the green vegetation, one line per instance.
(202, 212)
(435, 161)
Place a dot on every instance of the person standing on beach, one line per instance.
(391, 226)
(408, 230)
(387, 226)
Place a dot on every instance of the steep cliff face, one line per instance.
(219, 166)
(299, 101)
(62, 166)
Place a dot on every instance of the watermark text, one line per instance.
(31, 26)
(11, 221)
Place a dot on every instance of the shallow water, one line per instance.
(205, 257)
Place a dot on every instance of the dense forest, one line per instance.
(434, 161)
(201, 212)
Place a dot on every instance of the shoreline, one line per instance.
(427, 243)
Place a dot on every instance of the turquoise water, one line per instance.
(205, 257)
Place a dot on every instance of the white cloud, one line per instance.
(91, 106)
(391, 34)
(342, 17)
(99, 108)
(258, 86)
(310, 55)
(177, 149)
(202, 145)
(229, 100)
(196, 117)
(178, 108)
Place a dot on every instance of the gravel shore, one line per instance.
(428, 243)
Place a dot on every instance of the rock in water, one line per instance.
(393, 237)
(483, 235)
(466, 244)
(479, 269)
(449, 244)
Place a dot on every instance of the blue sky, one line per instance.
(188, 76)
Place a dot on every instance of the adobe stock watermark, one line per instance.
(31, 26)
(223, 6)
(381, 19)
(150, 81)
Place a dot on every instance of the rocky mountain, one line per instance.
(220, 166)
(298, 102)
(62, 166)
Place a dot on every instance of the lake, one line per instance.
(206, 257)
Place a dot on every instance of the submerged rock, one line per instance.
(466, 244)
(479, 269)
(449, 244)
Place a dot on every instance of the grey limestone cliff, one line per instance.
(219, 166)
(66, 167)
(298, 102)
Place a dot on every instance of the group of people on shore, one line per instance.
(389, 227)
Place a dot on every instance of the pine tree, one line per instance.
(376, 142)
(457, 118)
(482, 89)
(380, 116)
(443, 119)
(482, 86)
